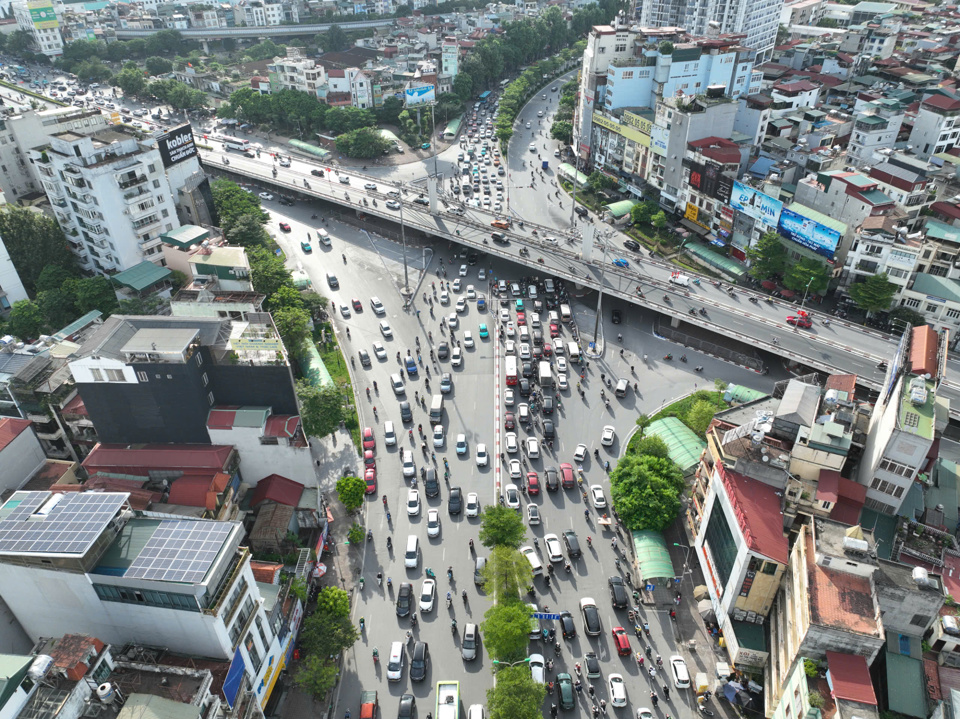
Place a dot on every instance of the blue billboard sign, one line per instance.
(809, 233)
(755, 204)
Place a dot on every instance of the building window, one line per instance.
(721, 542)
(902, 470)
(263, 634)
(210, 398)
(166, 600)
(115, 375)
(97, 375)
(911, 302)
(931, 308)
(918, 620)
(770, 568)
(881, 485)
(253, 653)
(143, 377)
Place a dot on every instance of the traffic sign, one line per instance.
(677, 580)
(541, 615)
(650, 587)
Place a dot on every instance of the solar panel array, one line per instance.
(180, 551)
(70, 527)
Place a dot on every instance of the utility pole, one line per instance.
(603, 271)
(403, 238)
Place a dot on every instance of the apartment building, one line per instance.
(296, 72)
(883, 246)
(110, 195)
(42, 24)
(875, 128)
(66, 566)
(935, 127)
(708, 164)
(254, 13)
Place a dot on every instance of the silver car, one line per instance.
(469, 642)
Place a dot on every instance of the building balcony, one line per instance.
(150, 244)
(98, 230)
(132, 182)
(72, 170)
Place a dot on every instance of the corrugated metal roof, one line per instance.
(934, 286)
(140, 277)
(652, 555)
(905, 686)
(684, 445)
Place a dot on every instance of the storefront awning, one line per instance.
(694, 227)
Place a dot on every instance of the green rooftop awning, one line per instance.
(453, 127)
(619, 209)
(722, 263)
(185, 236)
(652, 556)
(566, 170)
(140, 277)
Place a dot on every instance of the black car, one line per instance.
(364, 358)
(616, 317)
(565, 691)
(419, 662)
(443, 350)
(591, 619)
(591, 665)
(316, 173)
(405, 599)
(421, 201)
(573, 544)
(405, 414)
(581, 210)
(455, 500)
(546, 405)
(431, 486)
(567, 626)
(472, 258)
(524, 386)
(551, 478)
(407, 708)
(537, 337)
(549, 432)
(526, 369)
(286, 201)
(632, 245)
(618, 592)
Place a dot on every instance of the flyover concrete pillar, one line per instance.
(674, 322)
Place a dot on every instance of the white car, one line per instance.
(456, 357)
(472, 291)
(438, 436)
(461, 446)
(461, 305)
(562, 382)
(516, 472)
(409, 468)
(510, 347)
(533, 447)
(644, 713)
(377, 306)
(561, 365)
(482, 457)
(523, 412)
(510, 330)
(524, 351)
(468, 339)
(463, 270)
(457, 285)
(428, 595)
(580, 453)
(344, 311)
(512, 496)
(537, 668)
(554, 550)
(533, 147)
(482, 274)
(678, 667)
(379, 351)
(618, 691)
(433, 523)
(413, 503)
(473, 505)
(508, 398)
(385, 329)
(453, 321)
(266, 196)
(608, 435)
(596, 493)
(510, 442)
(444, 297)
(533, 514)
(504, 314)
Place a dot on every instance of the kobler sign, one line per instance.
(177, 145)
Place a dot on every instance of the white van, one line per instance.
(565, 313)
(395, 662)
(389, 434)
(678, 279)
(323, 236)
(558, 348)
(573, 351)
(554, 317)
(411, 557)
(535, 564)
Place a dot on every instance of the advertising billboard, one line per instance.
(696, 176)
(809, 233)
(419, 95)
(755, 204)
(177, 145)
(658, 139)
(42, 14)
(724, 188)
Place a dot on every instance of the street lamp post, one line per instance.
(796, 327)
(603, 271)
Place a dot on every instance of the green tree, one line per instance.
(93, 70)
(350, 490)
(599, 181)
(807, 275)
(666, 48)
(132, 82)
(286, 297)
(827, 22)
(321, 408)
(388, 113)
(293, 324)
(654, 446)
(768, 258)
(874, 294)
(231, 203)
(34, 242)
(267, 272)
(26, 320)
(324, 636)
(463, 86)
(908, 316)
(505, 628)
(247, 231)
(158, 65)
(93, 293)
(659, 221)
(507, 573)
(333, 601)
(646, 491)
(334, 39)
(57, 307)
(562, 130)
(356, 534)
(700, 415)
(314, 303)
(19, 42)
(166, 42)
(53, 278)
(643, 213)
(516, 695)
(316, 676)
(364, 143)
(501, 526)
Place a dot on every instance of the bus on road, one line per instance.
(448, 700)
(233, 143)
(511, 371)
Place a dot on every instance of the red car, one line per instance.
(368, 457)
(547, 350)
(800, 321)
(370, 477)
(521, 318)
(533, 484)
(285, 227)
(368, 441)
(622, 641)
(508, 421)
(357, 305)
(566, 475)
(554, 330)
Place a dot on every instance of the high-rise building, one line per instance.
(40, 20)
(757, 20)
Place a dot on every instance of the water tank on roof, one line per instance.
(716, 90)
(920, 576)
(105, 693)
(852, 544)
(831, 397)
(39, 667)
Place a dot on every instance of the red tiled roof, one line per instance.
(931, 671)
(10, 429)
(941, 102)
(828, 486)
(946, 209)
(138, 460)
(266, 572)
(850, 503)
(190, 491)
(222, 417)
(72, 652)
(924, 345)
(277, 489)
(76, 406)
(281, 425)
(842, 383)
(757, 508)
(851, 678)
(838, 599)
(799, 86)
